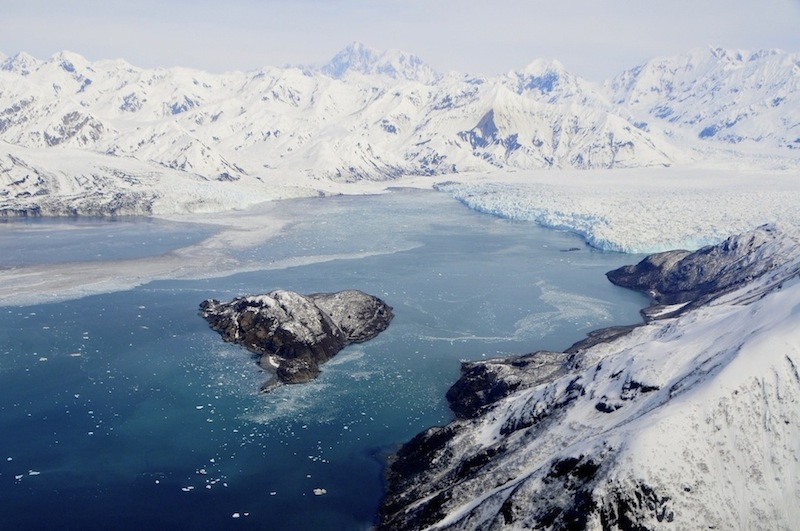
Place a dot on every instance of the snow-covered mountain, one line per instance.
(378, 115)
(393, 63)
(729, 96)
(689, 421)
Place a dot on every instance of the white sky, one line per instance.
(593, 38)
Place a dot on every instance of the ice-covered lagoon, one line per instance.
(120, 408)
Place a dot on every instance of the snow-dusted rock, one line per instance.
(689, 421)
(294, 334)
(677, 277)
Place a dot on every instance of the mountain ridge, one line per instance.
(369, 115)
(657, 426)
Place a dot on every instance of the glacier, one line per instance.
(630, 164)
(637, 211)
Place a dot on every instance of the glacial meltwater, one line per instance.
(123, 410)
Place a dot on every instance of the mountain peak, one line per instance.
(358, 57)
(540, 67)
(22, 63)
(545, 76)
(355, 57)
(70, 62)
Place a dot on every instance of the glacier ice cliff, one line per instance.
(690, 420)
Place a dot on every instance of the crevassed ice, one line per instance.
(625, 215)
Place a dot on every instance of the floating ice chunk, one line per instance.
(187, 489)
(33, 472)
(18, 477)
(320, 492)
(199, 407)
(202, 472)
(75, 354)
(273, 493)
(42, 359)
(235, 515)
(9, 459)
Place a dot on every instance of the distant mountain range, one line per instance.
(378, 115)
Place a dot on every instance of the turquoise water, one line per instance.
(123, 410)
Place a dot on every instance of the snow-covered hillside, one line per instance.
(690, 421)
(369, 115)
(730, 96)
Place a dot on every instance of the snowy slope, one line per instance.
(686, 422)
(718, 95)
(360, 58)
(66, 182)
(363, 115)
(371, 116)
(378, 115)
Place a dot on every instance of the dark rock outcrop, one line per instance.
(485, 382)
(677, 277)
(294, 334)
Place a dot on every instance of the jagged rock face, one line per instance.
(295, 333)
(484, 383)
(651, 427)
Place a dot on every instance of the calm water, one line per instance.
(123, 410)
(29, 241)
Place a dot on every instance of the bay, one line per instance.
(124, 410)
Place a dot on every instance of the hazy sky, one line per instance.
(593, 38)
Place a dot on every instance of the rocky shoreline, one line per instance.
(293, 334)
(543, 440)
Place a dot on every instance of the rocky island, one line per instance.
(293, 334)
(687, 421)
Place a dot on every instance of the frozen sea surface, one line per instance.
(123, 410)
(29, 241)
